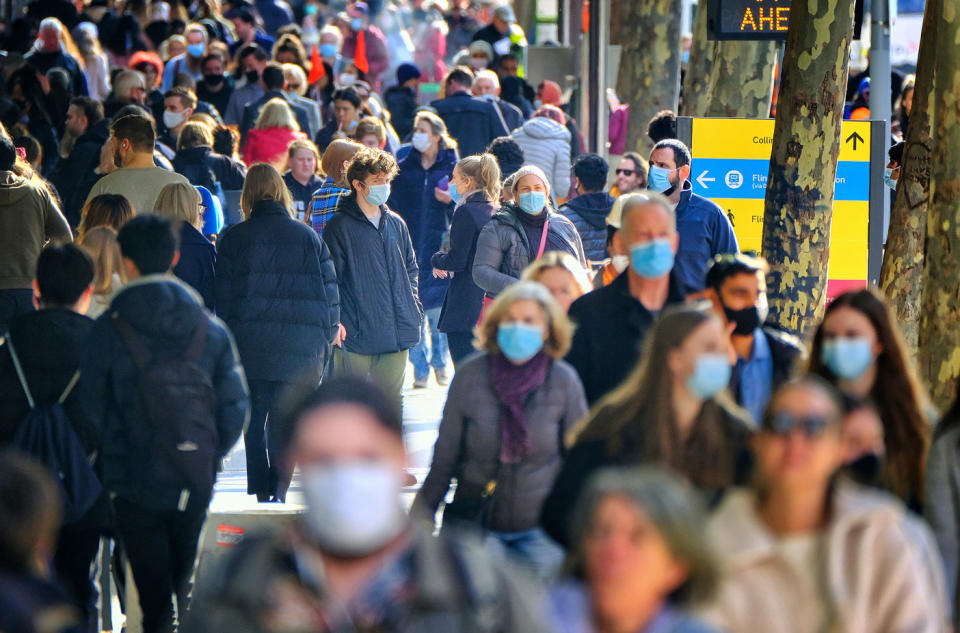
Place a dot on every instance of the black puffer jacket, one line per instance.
(589, 214)
(377, 273)
(277, 290)
(164, 311)
(198, 164)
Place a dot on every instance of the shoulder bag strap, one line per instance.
(134, 342)
(19, 370)
(543, 238)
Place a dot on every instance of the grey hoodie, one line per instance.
(546, 144)
(29, 218)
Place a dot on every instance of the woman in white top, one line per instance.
(96, 67)
(807, 551)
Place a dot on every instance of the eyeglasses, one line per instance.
(625, 172)
(782, 423)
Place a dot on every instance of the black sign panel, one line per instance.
(748, 19)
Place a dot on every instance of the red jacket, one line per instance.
(266, 145)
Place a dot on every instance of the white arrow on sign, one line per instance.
(703, 180)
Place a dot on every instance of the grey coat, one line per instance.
(503, 251)
(941, 506)
(468, 446)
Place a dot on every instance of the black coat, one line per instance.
(49, 344)
(199, 164)
(402, 104)
(301, 194)
(611, 327)
(198, 261)
(277, 290)
(464, 298)
(164, 311)
(74, 175)
(589, 214)
(377, 274)
(471, 121)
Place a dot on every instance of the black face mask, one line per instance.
(252, 76)
(213, 80)
(866, 469)
(747, 319)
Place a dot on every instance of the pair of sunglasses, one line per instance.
(782, 423)
(625, 172)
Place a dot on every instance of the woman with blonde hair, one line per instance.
(196, 266)
(301, 177)
(107, 209)
(275, 129)
(475, 186)
(95, 65)
(108, 271)
(277, 290)
(420, 195)
(506, 411)
(334, 165)
(562, 275)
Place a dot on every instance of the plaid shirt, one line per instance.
(323, 204)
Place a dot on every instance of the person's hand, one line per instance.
(440, 274)
(442, 196)
(341, 336)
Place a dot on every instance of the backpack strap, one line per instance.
(134, 342)
(69, 387)
(19, 370)
(194, 351)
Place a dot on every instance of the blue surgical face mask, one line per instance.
(685, 57)
(519, 342)
(652, 259)
(310, 9)
(454, 194)
(196, 50)
(532, 202)
(888, 179)
(328, 50)
(659, 178)
(711, 375)
(848, 358)
(356, 24)
(537, 104)
(377, 194)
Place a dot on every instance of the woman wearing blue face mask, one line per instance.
(421, 197)
(521, 232)
(501, 436)
(674, 410)
(858, 347)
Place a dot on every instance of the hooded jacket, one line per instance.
(28, 219)
(277, 290)
(546, 144)
(164, 311)
(198, 164)
(377, 274)
(74, 175)
(588, 213)
(269, 144)
(880, 570)
(472, 121)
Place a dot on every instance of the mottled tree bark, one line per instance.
(649, 78)
(729, 78)
(901, 275)
(803, 162)
(939, 351)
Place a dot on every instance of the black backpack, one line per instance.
(174, 439)
(47, 435)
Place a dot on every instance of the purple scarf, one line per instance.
(512, 384)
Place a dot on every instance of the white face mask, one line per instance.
(620, 262)
(420, 141)
(173, 119)
(347, 79)
(353, 508)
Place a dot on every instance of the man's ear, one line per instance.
(36, 293)
(132, 271)
(175, 260)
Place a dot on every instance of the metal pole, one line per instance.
(880, 91)
(599, 42)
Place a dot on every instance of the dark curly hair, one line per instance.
(369, 162)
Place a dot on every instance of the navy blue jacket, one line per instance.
(464, 298)
(277, 290)
(74, 176)
(471, 121)
(164, 311)
(198, 164)
(301, 194)
(412, 198)
(198, 263)
(705, 231)
(589, 214)
(377, 274)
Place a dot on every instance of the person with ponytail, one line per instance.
(475, 188)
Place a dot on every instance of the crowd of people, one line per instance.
(245, 221)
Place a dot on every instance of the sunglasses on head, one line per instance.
(625, 172)
(783, 423)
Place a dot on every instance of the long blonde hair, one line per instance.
(101, 244)
(263, 182)
(484, 170)
(276, 113)
(179, 202)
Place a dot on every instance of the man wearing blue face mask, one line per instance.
(704, 229)
(354, 560)
(613, 321)
(189, 62)
(377, 274)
